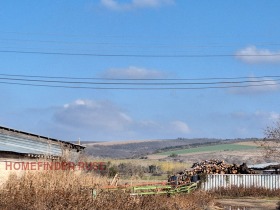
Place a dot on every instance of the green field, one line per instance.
(213, 148)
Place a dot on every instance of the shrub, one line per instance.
(173, 155)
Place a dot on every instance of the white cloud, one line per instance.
(104, 120)
(253, 55)
(93, 115)
(110, 4)
(257, 85)
(180, 126)
(134, 4)
(251, 124)
(274, 116)
(133, 72)
(79, 102)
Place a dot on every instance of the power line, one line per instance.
(139, 83)
(140, 79)
(139, 55)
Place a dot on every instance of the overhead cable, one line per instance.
(140, 55)
(138, 83)
(140, 88)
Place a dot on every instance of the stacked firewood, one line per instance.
(219, 167)
(211, 167)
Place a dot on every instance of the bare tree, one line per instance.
(271, 143)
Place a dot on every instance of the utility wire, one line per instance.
(163, 84)
(133, 79)
(139, 55)
(140, 88)
(138, 83)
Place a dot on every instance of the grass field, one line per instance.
(212, 148)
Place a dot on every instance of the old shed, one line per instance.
(19, 146)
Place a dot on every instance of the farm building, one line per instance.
(266, 168)
(22, 147)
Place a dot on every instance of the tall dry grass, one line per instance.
(69, 190)
(120, 201)
(237, 192)
(48, 190)
(241, 192)
(165, 166)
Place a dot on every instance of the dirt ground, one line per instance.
(246, 204)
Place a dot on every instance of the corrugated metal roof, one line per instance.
(28, 146)
(41, 137)
(262, 165)
(27, 143)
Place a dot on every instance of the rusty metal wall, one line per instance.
(215, 181)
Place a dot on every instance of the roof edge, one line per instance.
(43, 137)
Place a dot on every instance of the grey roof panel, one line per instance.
(263, 165)
(42, 137)
(29, 146)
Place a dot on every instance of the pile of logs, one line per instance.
(219, 167)
(210, 167)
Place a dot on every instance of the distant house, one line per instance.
(19, 146)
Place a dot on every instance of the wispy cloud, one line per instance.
(134, 4)
(252, 54)
(250, 123)
(133, 72)
(180, 126)
(257, 86)
(257, 116)
(93, 114)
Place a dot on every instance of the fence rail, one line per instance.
(215, 181)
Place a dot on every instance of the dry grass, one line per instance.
(241, 198)
(69, 190)
(48, 190)
(165, 166)
(237, 192)
(172, 166)
(120, 201)
(250, 143)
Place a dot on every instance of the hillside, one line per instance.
(142, 148)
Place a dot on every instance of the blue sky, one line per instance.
(140, 27)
